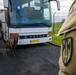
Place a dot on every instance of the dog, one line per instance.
(11, 45)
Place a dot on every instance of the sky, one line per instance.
(1, 4)
(64, 8)
(64, 5)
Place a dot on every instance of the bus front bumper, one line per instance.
(33, 41)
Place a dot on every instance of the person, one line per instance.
(0, 28)
(0, 25)
(67, 60)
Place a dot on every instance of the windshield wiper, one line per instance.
(22, 25)
(18, 26)
(34, 24)
(44, 24)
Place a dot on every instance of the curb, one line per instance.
(54, 44)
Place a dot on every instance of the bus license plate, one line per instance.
(34, 41)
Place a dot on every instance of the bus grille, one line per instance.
(33, 36)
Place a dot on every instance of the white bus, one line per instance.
(30, 20)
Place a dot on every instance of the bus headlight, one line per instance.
(13, 35)
(49, 34)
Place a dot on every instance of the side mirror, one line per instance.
(5, 3)
(58, 4)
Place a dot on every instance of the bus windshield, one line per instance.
(25, 12)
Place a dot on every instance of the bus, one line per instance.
(29, 20)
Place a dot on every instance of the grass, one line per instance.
(56, 27)
(56, 39)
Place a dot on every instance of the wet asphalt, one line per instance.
(39, 59)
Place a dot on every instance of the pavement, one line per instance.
(2, 47)
(39, 59)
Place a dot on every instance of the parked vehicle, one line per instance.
(29, 20)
